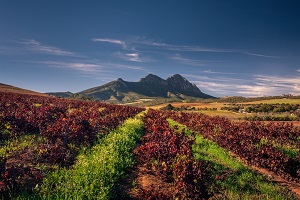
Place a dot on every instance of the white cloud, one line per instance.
(256, 54)
(79, 66)
(254, 90)
(278, 80)
(92, 68)
(145, 41)
(41, 48)
(257, 85)
(184, 48)
(191, 48)
(109, 40)
(285, 85)
(134, 57)
(214, 72)
(122, 66)
(298, 70)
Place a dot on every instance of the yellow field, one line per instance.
(220, 105)
(224, 113)
(274, 101)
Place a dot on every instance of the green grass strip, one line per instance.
(98, 169)
(239, 182)
(236, 181)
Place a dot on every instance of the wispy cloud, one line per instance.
(133, 56)
(184, 48)
(256, 54)
(214, 72)
(298, 70)
(123, 66)
(109, 40)
(191, 48)
(79, 66)
(143, 43)
(290, 84)
(46, 49)
(91, 68)
(193, 62)
(256, 85)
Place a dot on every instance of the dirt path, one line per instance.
(292, 186)
(141, 182)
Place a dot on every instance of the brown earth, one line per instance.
(140, 182)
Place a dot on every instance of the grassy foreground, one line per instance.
(97, 170)
(235, 181)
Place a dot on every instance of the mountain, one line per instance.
(151, 86)
(183, 86)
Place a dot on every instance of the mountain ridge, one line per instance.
(151, 86)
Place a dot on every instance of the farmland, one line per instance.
(53, 148)
(283, 109)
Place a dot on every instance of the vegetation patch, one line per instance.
(98, 169)
(232, 179)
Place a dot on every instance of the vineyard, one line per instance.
(53, 148)
(55, 130)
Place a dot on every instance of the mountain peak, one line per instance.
(178, 78)
(151, 76)
(183, 85)
(153, 79)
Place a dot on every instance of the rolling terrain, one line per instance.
(10, 88)
(58, 148)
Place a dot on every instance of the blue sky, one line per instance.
(242, 48)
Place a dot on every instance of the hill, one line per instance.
(10, 88)
(61, 94)
(149, 87)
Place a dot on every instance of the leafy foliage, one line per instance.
(253, 141)
(97, 170)
(65, 124)
(168, 154)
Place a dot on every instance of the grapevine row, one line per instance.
(167, 153)
(259, 144)
(65, 124)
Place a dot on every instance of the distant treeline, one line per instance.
(239, 99)
(273, 117)
(277, 108)
(233, 99)
(263, 108)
